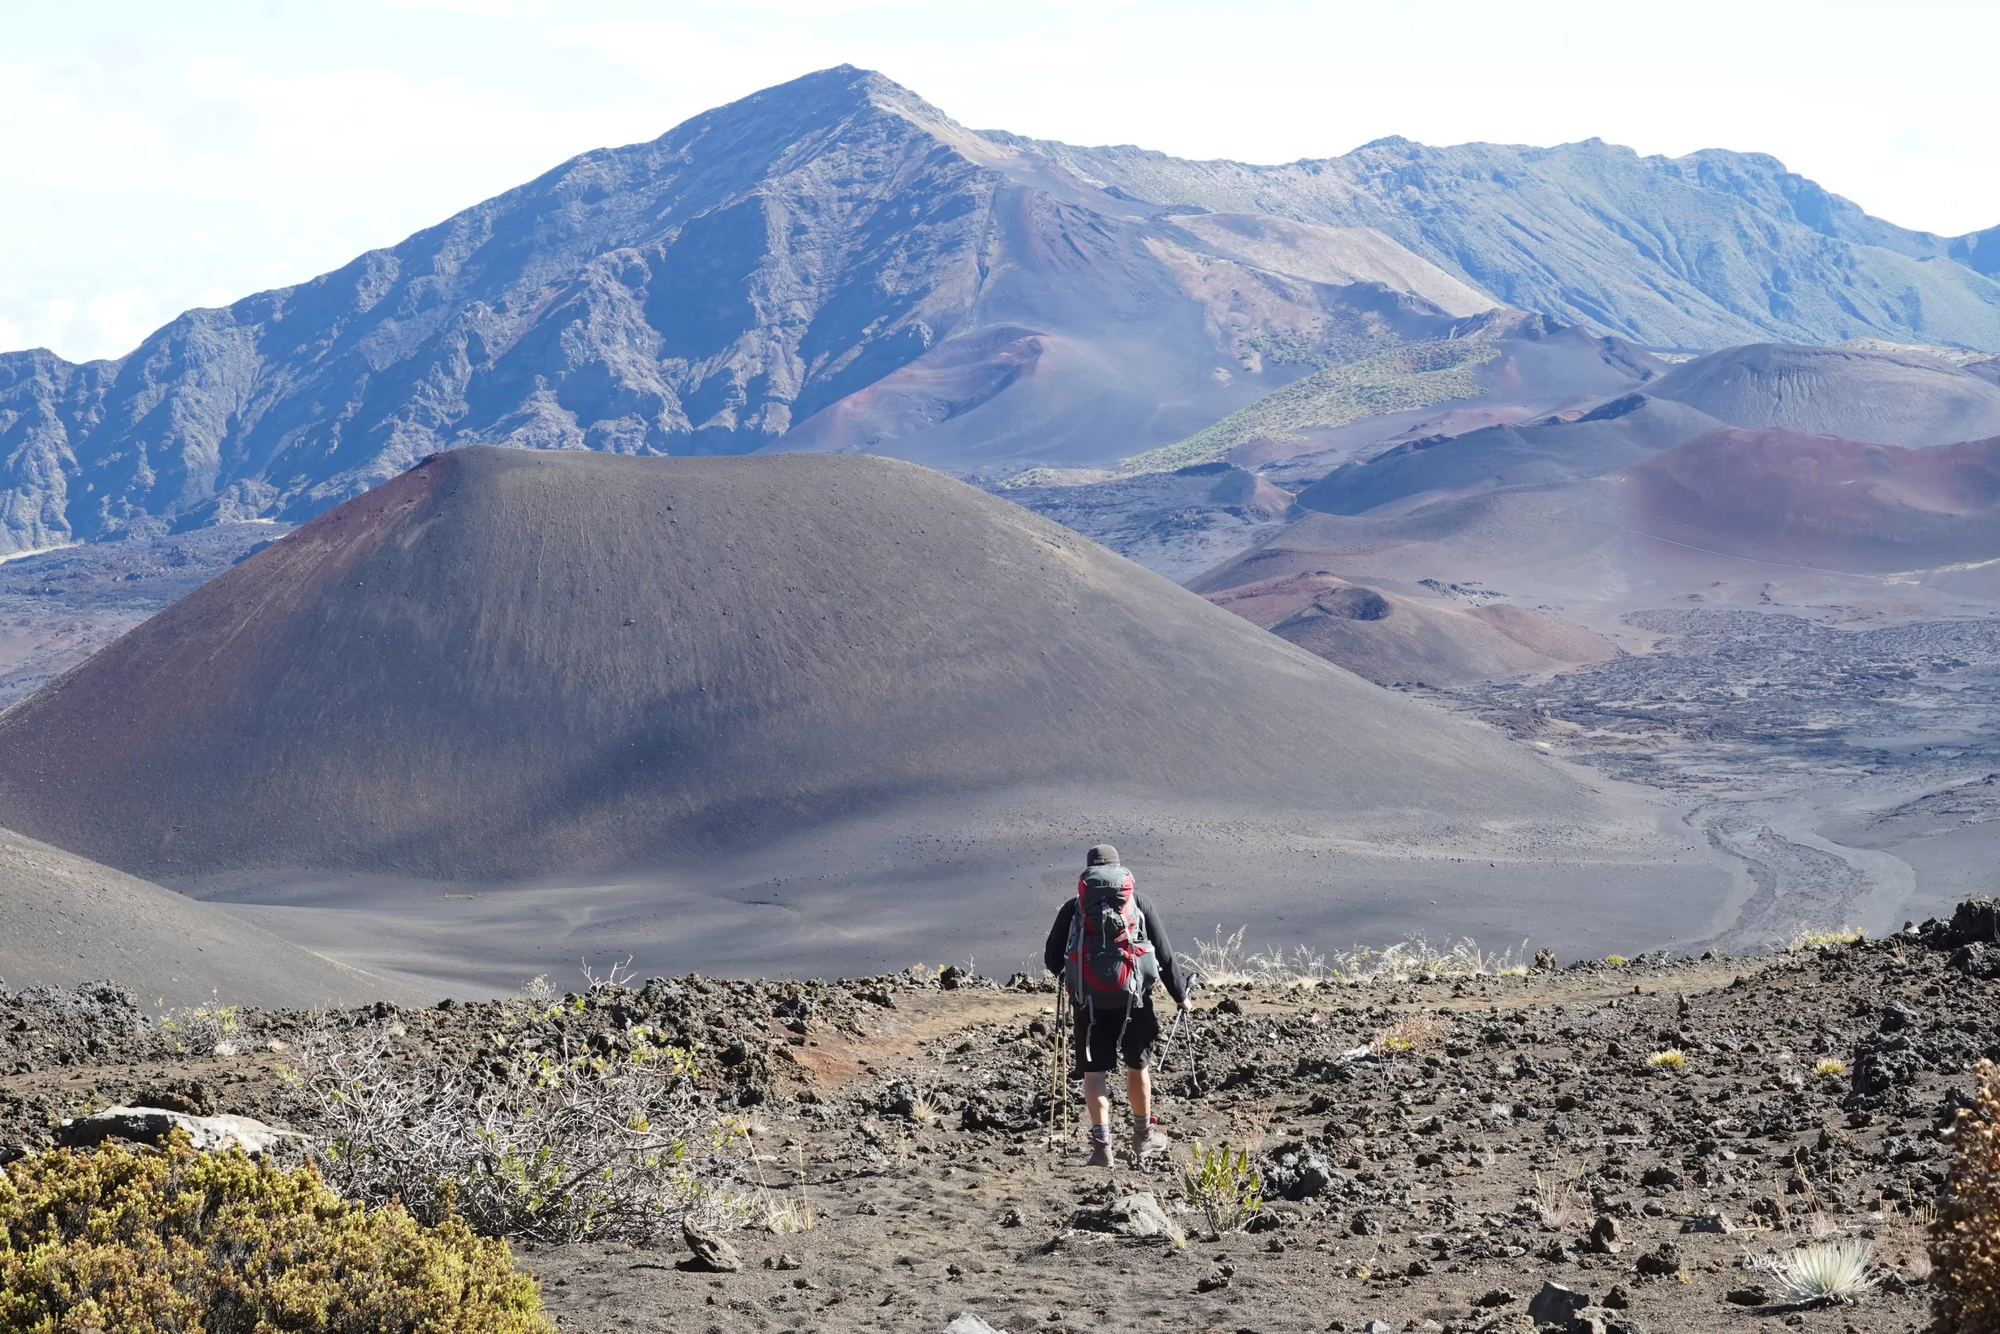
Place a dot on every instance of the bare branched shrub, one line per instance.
(1965, 1239)
(620, 977)
(567, 1145)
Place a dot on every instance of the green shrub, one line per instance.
(1224, 1187)
(165, 1242)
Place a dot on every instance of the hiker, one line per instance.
(1109, 947)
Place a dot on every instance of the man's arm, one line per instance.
(1163, 951)
(1057, 945)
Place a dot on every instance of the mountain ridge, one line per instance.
(796, 270)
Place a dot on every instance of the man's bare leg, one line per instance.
(1138, 1092)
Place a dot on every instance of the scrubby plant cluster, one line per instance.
(213, 1029)
(569, 1143)
(1965, 1239)
(164, 1242)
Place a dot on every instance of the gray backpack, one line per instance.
(1109, 962)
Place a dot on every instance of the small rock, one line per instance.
(1546, 961)
(1497, 1297)
(1211, 1283)
(788, 1261)
(1378, 1327)
(1604, 1236)
(712, 1254)
(1750, 1294)
(1590, 1320)
(1365, 1225)
(1229, 1005)
(965, 1322)
(1715, 1221)
(1617, 1299)
(1556, 1304)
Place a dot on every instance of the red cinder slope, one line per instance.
(1825, 501)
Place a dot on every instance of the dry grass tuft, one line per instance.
(1808, 938)
(1557, 1201)
(1830, 1068)
(1226, 959)
(1670, 1059)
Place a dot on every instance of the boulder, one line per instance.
(1556, 1304)
(152, 1125)
(1138, 1215)
(712, 1253)
(1297, 1172)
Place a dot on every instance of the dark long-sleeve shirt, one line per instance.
(1170, 970)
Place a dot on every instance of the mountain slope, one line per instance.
(691, 679)
(1887, 397)
(1695, 252)
(707, 292)
(686, 654)
(71, 921)
(834, 264)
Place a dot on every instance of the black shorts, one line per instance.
(1103, 1035)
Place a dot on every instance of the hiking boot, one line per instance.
(1148, 1140)
(1100, 1153)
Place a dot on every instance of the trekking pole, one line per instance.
(1058, 1064)
(1174, 1035)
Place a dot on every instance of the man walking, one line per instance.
(1109, 947)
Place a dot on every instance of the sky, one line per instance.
(164, 156)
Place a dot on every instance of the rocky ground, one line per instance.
(1432, 1152)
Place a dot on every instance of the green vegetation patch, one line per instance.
(147, 1242)
(1414, 375)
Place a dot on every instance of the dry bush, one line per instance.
(568, 1145)
(1414, 1036)
(1672, 1059)
(1965, 1239)
(151, 1242)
